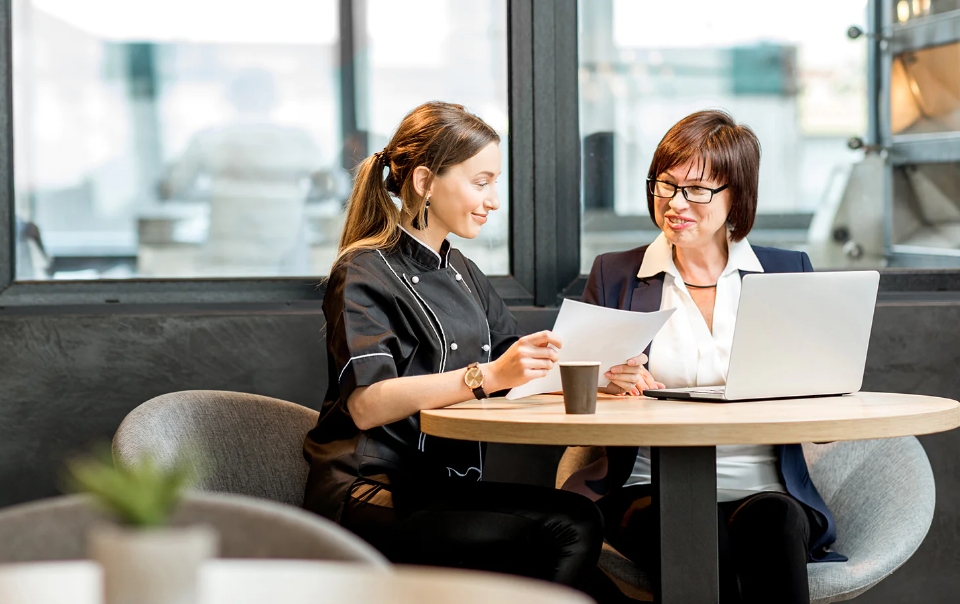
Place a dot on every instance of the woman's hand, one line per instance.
(529, 358)
(631, 378)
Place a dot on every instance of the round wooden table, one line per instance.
(294, 582)
(683, 437)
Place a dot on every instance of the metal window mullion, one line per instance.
(884, 20)
(7, 221)
(544, 152)
(351, 48)
(520, 80)
(926, 32)
(567, 129)
(874, 27)
(555, 148)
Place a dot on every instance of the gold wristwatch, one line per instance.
(473, 378)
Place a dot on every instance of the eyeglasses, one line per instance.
(692, 193)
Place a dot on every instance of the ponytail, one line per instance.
(372, 216)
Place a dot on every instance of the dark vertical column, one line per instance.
(685, 493)
(7, 235)
(352, 28)
(520, 76)
(545, 147)
(545, 169)
(567, 119)
(874, 27)
(598, 171)
(880, 15)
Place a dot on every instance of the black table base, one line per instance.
(685, 493)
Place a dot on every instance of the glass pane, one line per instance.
(905, 10)
(926, 211)
(174, 138)
(925, 91)
(792, 75)
(457, 53)
(186, 139)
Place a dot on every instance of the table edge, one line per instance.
(665, 435)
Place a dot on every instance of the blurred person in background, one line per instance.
(257, 175)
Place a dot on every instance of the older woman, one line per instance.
(702, 194)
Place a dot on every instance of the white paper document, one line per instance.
(596, 333)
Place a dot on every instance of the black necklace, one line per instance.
(700, 286)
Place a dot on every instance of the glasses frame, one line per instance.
(684, 190)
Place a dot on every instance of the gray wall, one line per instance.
(916, 348)
(67, 380)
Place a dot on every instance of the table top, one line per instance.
(627, 421)
(293, 582)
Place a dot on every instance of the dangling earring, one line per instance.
(426, 212)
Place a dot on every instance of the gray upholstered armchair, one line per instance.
(881, 493)
(249, 444)
(56, 529)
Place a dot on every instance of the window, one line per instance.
(178, 139)
(924, 90)
(924, 114)
(791, 74)
(448, 50)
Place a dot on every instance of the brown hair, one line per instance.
(732, 152)
(435, 135)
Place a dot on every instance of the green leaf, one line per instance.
(142, 494)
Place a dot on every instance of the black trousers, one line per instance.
(763, 542)
(518, 529)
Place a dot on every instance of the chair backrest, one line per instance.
(248, 444)
(575, 458)
(881, 492)
(882, 496)
(55, 529)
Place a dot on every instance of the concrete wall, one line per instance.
(916, 348)
(67, 380)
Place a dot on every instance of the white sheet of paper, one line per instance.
(596, 333)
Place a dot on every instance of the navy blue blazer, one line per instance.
(613, 283)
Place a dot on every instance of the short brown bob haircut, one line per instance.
(730, 151)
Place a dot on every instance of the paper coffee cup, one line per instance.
(579, 380)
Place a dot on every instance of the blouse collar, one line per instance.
(659, 258)
(423, 254)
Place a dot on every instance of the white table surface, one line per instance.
(292, 582)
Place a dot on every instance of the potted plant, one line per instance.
(144, 559)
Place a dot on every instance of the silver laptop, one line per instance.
(797, 335)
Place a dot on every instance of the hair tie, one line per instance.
(382, 157)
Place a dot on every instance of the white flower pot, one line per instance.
(151, 565)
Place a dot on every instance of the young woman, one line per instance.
(412, 324)
(702, 194)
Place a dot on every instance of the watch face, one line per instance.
(473, 377)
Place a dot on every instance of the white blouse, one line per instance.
(684, 353)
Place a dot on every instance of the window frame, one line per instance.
(545, 208)
(544, 186)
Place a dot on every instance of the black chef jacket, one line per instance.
(392, 313)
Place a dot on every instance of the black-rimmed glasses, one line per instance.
(692, 193)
